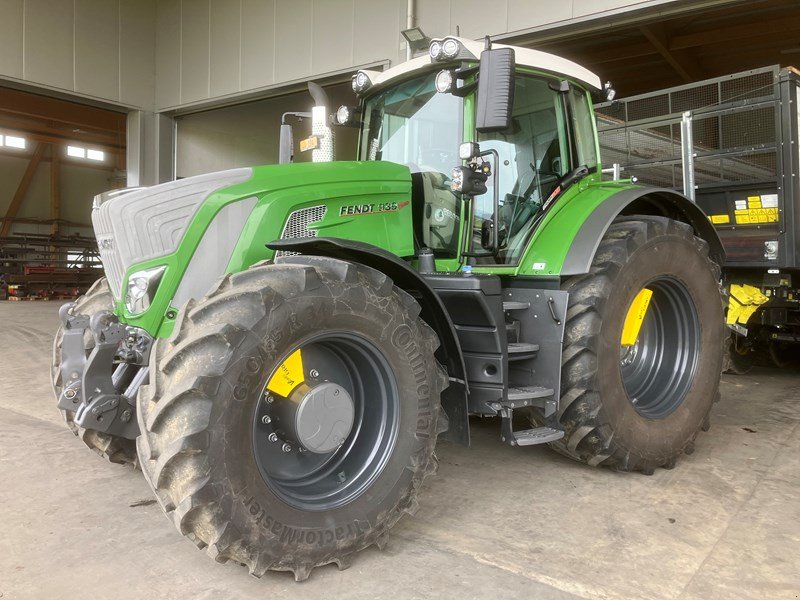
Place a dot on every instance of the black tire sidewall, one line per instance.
(258, 512)
(677, 257)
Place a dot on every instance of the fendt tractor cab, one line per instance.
(279, 347)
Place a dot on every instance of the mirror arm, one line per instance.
(462, 91)
(496, 198)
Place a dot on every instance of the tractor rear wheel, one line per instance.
(291, 418)
(113, 448)
(642, 347)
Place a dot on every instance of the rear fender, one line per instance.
(637, 201)
(454, 398)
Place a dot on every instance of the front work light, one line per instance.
(444, 81)
(450, 48)
(447, 49)
(470, 182)
(435, 49)
(142, 286)
(360, 82)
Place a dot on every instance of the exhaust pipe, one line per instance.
(320, 126)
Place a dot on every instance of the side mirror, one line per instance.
(285, 144)
(495, 90)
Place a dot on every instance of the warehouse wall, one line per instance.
(103, 49)
(211, 49)
(247, 134)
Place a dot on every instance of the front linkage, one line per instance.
(100, 383)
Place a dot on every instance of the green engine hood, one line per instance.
(364, 201)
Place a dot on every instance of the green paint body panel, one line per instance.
(385, 187)
(552, 239)
(281, 189)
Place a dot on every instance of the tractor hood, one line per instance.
(164, 245)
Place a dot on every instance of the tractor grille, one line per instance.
(297, 225)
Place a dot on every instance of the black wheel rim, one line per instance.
(658, 370)
(323, 481)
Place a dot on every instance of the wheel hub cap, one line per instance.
(318, 419)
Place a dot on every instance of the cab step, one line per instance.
(538, 435)
(515, 305)
(518, 394)
(522, 350)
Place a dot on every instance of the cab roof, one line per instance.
(536, 59)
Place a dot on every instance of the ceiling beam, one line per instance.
(660, 42)
(22, 188)
(746, 30)
(42, 107)
(48, 132)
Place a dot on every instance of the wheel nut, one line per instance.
(286, 448)
(314, 373)
(273, 437)
(266, 420)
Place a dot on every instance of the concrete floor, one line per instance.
(497, 522)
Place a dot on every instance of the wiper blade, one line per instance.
(566, 181)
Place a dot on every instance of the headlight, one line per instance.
(142, 286)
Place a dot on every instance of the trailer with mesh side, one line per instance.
(732, 144)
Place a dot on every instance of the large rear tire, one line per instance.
(215, 445)
(638, 407)
(113, 448)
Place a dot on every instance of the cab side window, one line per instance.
(583, 128)
(533, 157)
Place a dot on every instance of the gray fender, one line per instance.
(454, 398)
(638, 201)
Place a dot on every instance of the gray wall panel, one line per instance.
(292, 43)
(257, 43)
(97, 48)
(582, 8)
(377, 30)
(435, 14)
(534, 14)
(332, 41)
(137, 53)
(49, 51)
(11, 25)
(195, 45)
(492, 20)
(225, 46)
(168, 53)
(101, 49)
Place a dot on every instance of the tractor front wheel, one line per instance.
(642, 347)
(290, 420)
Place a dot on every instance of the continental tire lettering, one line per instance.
(403, 340)
(289, 534)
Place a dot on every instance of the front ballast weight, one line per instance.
(101, 388)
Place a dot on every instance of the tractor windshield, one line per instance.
(413, 125)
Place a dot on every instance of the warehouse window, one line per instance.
(88, 153)
(12, 141)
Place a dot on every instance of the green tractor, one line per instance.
(280, 347)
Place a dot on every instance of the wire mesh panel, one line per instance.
(733, 129)
(735, 153)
